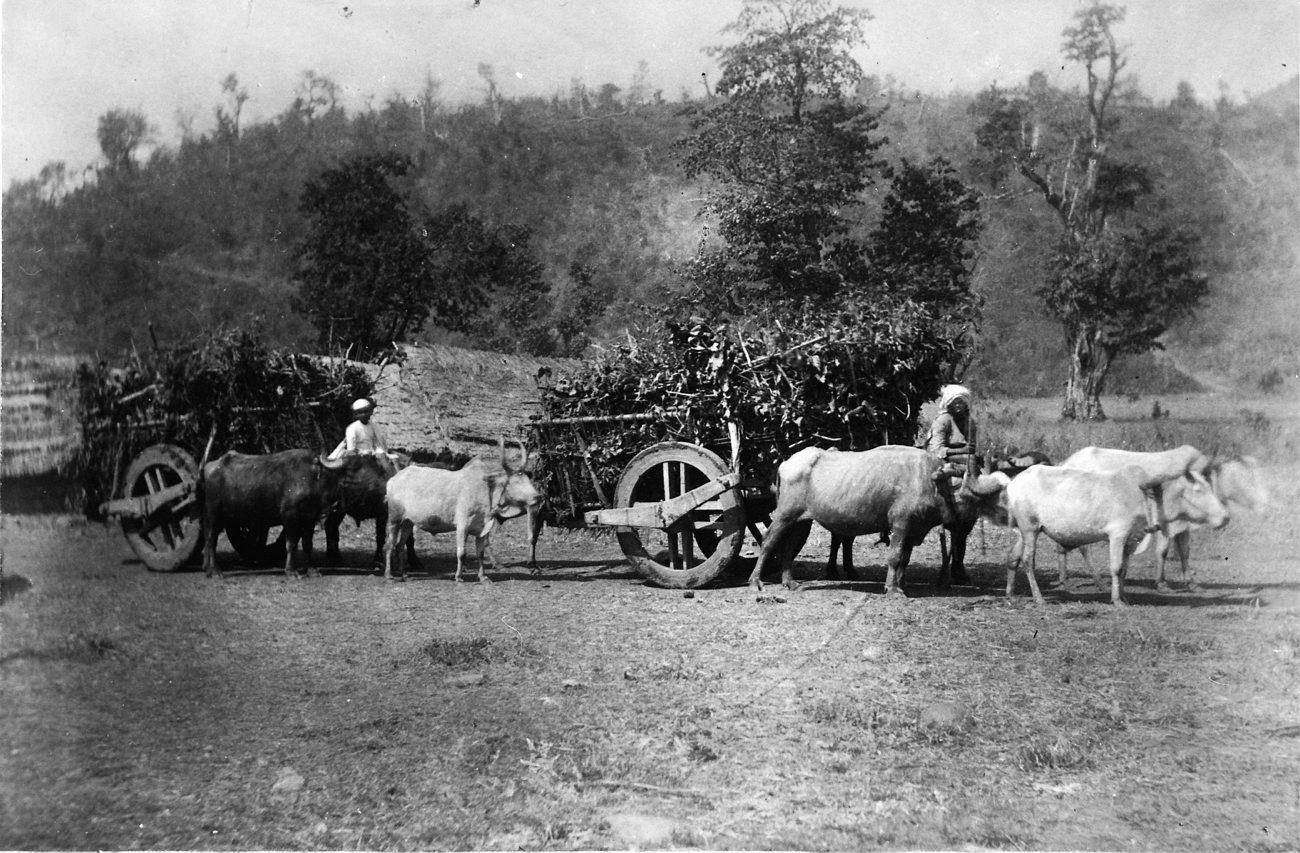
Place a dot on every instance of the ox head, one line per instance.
(512, 491)
(1238, 483)
(974, 495)
(984, 493)
(1012, 461)
(1201, 500)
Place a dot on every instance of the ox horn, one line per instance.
(331, 464)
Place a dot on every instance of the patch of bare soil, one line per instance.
(583, 709)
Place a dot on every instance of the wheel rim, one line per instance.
(698, 548)
(169, 537)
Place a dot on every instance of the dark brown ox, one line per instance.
(894, 489)
(471, 502)
(362, 486)
(292, 488)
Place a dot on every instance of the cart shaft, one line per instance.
(663, 514)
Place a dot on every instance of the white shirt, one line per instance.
(360, 438)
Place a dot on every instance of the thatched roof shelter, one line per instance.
(38, 422)
(438, 398)
(462, 399)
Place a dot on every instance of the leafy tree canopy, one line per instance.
(363, 272)
(1105, 285)
(790, 153)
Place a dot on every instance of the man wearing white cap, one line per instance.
(361, 436)
(950, 435)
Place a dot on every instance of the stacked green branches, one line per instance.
(850, 379)
(228, 387)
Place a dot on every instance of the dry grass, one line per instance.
(555, 712)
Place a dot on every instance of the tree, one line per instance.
(790, 151)
(315, 96)
(504, 305)
(228, 119)
(120, 133)
(1120, 293)
(364, 270)
(1100, 285)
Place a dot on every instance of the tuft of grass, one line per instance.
(469, 652)
(1057, 753)
(842, 711)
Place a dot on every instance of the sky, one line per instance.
(67, 62)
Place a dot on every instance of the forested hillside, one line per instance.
(180, 239)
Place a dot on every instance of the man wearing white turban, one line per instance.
(361, 436)
(950, 434)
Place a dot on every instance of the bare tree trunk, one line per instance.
(1089, 365)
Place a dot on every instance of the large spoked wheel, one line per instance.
(700, 546)
(167, 539)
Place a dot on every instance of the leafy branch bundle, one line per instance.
(851, 379)
(228, 386)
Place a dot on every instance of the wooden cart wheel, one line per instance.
(167, 539)
(698, 548)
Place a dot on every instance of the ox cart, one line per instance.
(679, 509)
(145, 425)
(674, 445)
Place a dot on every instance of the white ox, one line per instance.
(1158, 467)
(1236, 483)
(1076, 507)
(470, 501)
(893, 489)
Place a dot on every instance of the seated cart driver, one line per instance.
(950, 434)
(361, 436)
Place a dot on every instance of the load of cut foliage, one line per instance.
(228, 388)
(852, 379)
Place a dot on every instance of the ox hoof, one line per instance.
(1164, 587)
(1194, 587)
(895, 592)
(1119, 602)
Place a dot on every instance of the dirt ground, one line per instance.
(583, 709)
